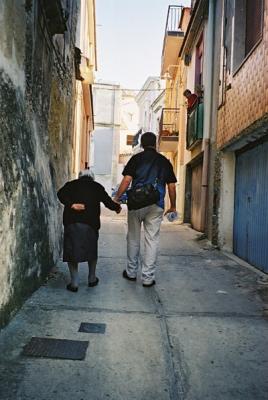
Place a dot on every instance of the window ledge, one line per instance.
(247, 57)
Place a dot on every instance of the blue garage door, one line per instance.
(251, 206)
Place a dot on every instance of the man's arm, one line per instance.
(123, 187)
(172, 197)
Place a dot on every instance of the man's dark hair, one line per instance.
(148, 139)
(187, 91)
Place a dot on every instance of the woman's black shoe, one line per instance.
(92, 284)
(72, 288)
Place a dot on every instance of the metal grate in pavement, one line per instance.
(56, 348)
(92, 328)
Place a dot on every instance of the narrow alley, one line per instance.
(199, 334)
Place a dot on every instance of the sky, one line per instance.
(130, 37)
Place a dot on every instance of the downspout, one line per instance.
(208, 113)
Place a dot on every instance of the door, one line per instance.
(251, 206)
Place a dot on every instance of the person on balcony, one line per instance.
(192, 100)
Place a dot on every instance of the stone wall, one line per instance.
(36, 105)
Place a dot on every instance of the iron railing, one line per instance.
(168, 125)
(195, 125)
(173, 19)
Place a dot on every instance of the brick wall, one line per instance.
(247, 100)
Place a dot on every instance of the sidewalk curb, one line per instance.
(243, 263)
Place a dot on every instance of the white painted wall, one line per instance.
(145, 98)
(105, 140)
(226, 211)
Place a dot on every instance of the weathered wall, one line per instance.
(36, 99)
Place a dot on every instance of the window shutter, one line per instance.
(254, 18)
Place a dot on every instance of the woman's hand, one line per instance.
(78, 207)
(118, 211)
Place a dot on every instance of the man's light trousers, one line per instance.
(151, 217)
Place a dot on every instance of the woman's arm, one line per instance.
(108, 202)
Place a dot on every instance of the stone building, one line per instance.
(37, 84)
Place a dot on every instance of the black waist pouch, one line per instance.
(142, 196)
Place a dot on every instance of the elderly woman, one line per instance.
(81, 220)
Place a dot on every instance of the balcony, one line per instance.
(168, 130)
(173, 38)
(195, 126)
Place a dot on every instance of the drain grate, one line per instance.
(56, 348)
(92, 328)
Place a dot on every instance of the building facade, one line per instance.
(242, 134)
(222, 158)
(86, 61)
(37, 96)
(172, 126)
(105, 140)
(128, 129)
(151, 89)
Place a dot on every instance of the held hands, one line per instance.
(170, 210)
(119, 210)
(116, 200)
(78, 207)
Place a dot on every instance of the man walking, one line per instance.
(147, 167)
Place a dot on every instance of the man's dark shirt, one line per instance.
(150, 166)
(89, 193)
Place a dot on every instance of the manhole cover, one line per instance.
(92, 328)
(56, 348)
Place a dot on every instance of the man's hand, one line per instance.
(116, 200)
(78, 207)
(172, 198)
(170, 210)
(122, 188)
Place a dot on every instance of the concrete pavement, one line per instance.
(199, 334)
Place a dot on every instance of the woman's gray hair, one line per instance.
(87, 172)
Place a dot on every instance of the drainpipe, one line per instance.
(208, 112)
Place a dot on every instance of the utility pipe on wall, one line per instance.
(208, 111)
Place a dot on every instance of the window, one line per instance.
(199, 65)
(247, 30)
(253, 23)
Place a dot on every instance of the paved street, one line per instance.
(199, 334)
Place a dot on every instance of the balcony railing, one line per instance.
(173, 19)
(168, 125)
(195, 126)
